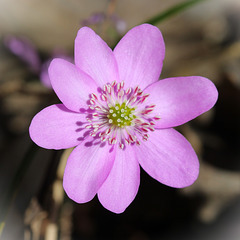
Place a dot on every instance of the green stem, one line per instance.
(15, 184)
(172, 11)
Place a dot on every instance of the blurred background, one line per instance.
(201, 39)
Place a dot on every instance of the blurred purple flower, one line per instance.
(95, 18)
(99, 18)
(25, 50)
(120, 24)
(120, 117)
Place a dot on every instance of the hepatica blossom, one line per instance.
(119, 116)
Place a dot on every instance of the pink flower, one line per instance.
(25, 50)
(120, 117)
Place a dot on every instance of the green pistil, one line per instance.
(121, 115)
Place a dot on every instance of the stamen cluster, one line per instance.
(120, 116)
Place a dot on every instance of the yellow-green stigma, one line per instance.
(121, 115)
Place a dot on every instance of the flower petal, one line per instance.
(179, 100)
(56, 127)
(93, 56)
(140, 55)
(121, 186)
(87, 168)
(72, 85)
(169, 158)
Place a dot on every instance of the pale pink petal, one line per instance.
(93, 56)
(179, 100)
(87, 168)
(169, 158)
(56, 127)
(140, 55)
(72, 85)
(121, 186)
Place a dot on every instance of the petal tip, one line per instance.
(111, 206)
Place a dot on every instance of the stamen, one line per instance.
(92, 102)
(109, 89)
(104, 97)
(113, 83)
(95, 115)
(121, 145)
(118, 86)
(105, 88)
(120, 116)
(122, 84)
(136, 90)
(128, 91)
(94, 96)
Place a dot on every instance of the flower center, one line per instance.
(120, 116)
